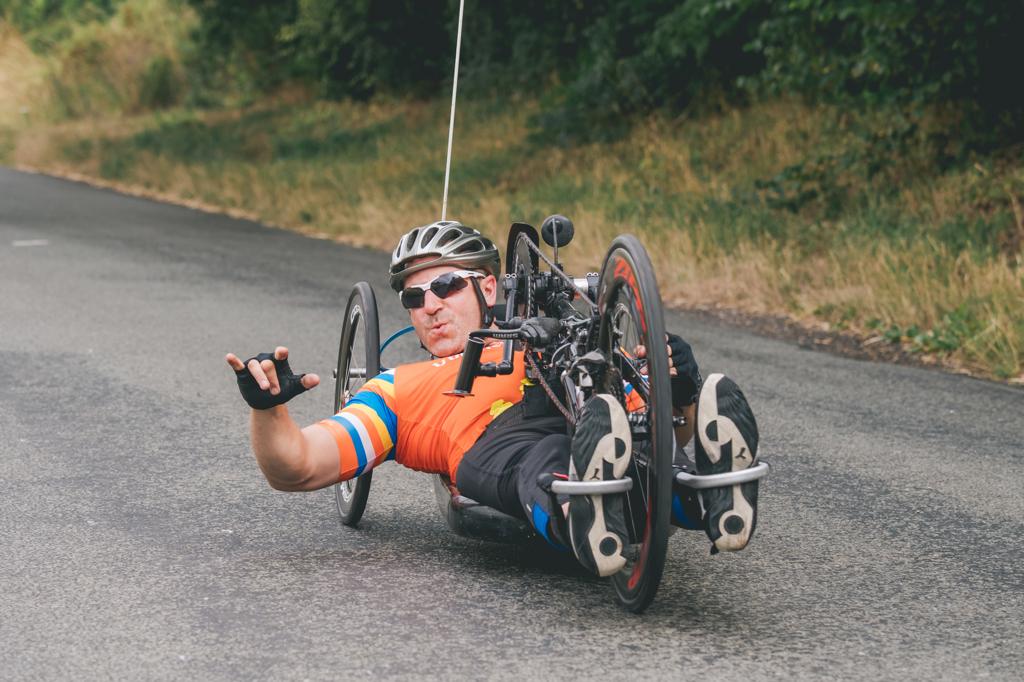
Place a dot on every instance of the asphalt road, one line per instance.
(139, 541)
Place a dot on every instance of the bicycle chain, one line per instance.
(547, 389)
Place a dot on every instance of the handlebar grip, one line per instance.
(470, 365)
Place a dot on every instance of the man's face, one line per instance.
(443, 324)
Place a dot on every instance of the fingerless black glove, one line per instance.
(686, 383)
(260, 399)
(539, 331)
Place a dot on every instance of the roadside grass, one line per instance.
(98, 65)
(23, 77)
(813, 213)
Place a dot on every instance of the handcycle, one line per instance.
(579, 335)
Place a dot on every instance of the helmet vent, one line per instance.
(474, 246)
(411, 239)
(448, 237)
(428, 235)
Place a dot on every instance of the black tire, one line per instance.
(631, 314)
(521, 261)
(360, 341)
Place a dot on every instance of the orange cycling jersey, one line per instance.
(404, 414)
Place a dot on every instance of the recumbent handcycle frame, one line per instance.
(582, 335)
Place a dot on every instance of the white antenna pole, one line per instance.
(451, 121)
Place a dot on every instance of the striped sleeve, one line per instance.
(366, 428)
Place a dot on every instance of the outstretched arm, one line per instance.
(289, 457)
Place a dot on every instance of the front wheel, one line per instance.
(631, 316)
(359, 345)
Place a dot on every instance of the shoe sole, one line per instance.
(600, 549)
(719, 436)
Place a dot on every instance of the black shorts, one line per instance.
(501, 468)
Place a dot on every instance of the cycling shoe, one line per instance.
(601, 448)
(726, 440)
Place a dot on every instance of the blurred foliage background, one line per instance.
(598, 62)
(857, 164)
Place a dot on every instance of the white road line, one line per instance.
(30, 242)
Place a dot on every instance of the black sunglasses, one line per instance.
(443, 286)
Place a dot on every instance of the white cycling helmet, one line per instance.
(450, 243)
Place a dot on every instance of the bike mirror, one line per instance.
(557, 225)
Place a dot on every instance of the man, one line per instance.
(495, 443)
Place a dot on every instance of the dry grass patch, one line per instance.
(23, 79)
(365, 173)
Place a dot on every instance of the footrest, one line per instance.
(591, 487)
(759, 470)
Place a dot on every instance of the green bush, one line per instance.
(614, 59)
(45, 23)
(159, 87)
(958, 54)
(610, 60)
(649, 54)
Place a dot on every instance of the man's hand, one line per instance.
(266, 380)
(539, 331)
(686, 379)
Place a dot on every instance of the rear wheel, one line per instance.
(631, 316)
(358, 361)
